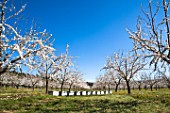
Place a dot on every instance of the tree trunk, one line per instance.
(145, 87)
(70, 87)
(61, 88)
(33, 87)
(151, 87)
(128, 87)
(116, 87)
(1, 84)
(139, 87)
(168, 86)
(17, 86)
(104, 88)
(46, 85)
(63, 80)
(156, 87)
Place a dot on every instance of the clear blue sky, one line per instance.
(94, 29)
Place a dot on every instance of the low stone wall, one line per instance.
(78, 93)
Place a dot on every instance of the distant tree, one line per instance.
(63, 78)
(44, 65)
(16, 80)
(15, 77)
(115, 78)
(126, 67)
(49, 65)
(2, 77)
(165, 74)
(105, 80)
(34, 80)
(138, 80)
(108, 80)
(151, 78)
(63, 75)
(74, 78)
(99, 83)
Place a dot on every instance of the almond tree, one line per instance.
(34, 80)
(99, 83)
(115, 77)
(63, 76)
(44, 65)
(151, 78)
(126, 67)
(165, 74)
(54, 67)
(16, 80)
(108, 79)
(49, 65)
(117, 81)
(105, 81)
(152, 38)
(74, 78)
(29, 47)
(17, 46)
(2, 78)
(138, 80)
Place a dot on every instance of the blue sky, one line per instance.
(94, 29)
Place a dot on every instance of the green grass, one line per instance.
(26, 101)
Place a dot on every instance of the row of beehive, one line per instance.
(78, 93)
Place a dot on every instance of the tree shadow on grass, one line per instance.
(86, 106)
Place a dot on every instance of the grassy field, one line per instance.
(26, 101)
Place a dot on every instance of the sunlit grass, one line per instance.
(143, 101)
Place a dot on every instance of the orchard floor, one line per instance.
(25, 101)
